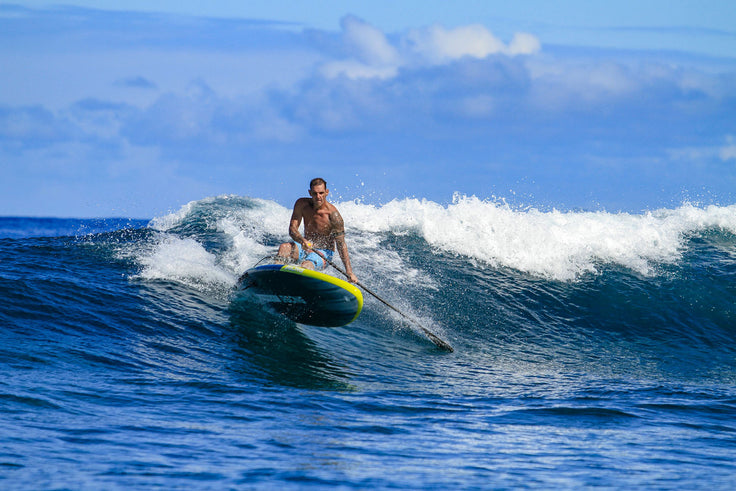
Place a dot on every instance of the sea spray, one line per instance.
(183, 260)
(556, 245)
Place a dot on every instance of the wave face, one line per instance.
(591, 349)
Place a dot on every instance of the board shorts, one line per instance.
(315, 258)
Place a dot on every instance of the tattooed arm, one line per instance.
(338, 232)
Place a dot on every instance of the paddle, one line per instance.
(432, 336)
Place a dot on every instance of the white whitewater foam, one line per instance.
(244, 222)
(171, 220)
(374, 264)
(556, 245)
(247, 228)
(183, 260)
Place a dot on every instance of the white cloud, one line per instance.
(370, 43)
(373, 55)
(438, 45)
(728, 152)
(706, 152)
(524, 44)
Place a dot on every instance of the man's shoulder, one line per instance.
(301, 203)
(332, 210)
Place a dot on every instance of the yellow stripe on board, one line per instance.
(290, 268)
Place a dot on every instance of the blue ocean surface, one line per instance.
(592, 349)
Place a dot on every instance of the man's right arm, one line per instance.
(296, 220)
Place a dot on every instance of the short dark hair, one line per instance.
(316, 182)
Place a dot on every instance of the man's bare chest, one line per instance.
(318, 222)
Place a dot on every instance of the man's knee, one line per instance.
(286, 249)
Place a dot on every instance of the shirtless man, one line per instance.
(323, 230)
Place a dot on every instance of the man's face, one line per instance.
(319, 195)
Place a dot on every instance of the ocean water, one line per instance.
(592, 349)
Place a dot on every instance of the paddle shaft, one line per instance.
(432, 336)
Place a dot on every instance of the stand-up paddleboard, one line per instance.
(302, 295)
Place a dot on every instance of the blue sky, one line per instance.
(134, 108)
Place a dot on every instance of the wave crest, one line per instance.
(555, 245)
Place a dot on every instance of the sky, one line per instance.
(111, 108)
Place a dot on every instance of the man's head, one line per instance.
(318, 191)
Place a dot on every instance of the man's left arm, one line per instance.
(338, 232)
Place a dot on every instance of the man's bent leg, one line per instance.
(288, 250)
